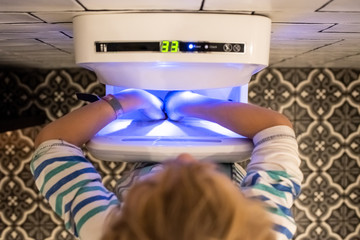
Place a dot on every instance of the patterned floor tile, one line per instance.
(321, 93)
(343, 221)
(344, 170)
(40, 222)
(17, 102)
(295, 76)
(319, 145)
(346, 76)
(56, 95)
(268, 89)
(345, 119)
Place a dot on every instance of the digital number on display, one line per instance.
(169, 46)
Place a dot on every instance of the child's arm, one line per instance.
(82, 124)
(245, 119)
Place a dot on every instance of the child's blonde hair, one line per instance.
(186, 201)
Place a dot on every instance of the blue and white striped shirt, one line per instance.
(73, 188)
(75, 192)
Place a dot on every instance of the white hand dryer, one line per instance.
(213, 54)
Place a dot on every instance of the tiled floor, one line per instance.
(323, 104)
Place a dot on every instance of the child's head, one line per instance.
(187, 200)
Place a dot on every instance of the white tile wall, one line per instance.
(141, 4)
(334, 54)
(264, 5)
(343, 6)
(298, 30)
(33, 28)
(306, 33)
(344, 28)
(18, 18)
(284, 50)
(56, 17)
(311, 17)
(352, 60)
(39, 5)
(33, 35)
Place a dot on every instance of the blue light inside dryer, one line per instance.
(165, 128)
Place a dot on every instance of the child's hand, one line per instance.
(137, 99)
(175, 101)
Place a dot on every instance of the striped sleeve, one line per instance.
(274, 177)
(72, 187)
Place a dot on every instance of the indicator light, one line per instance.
(191, 46)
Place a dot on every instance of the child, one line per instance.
(181, 199)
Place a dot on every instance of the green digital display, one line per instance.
(169, 46)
